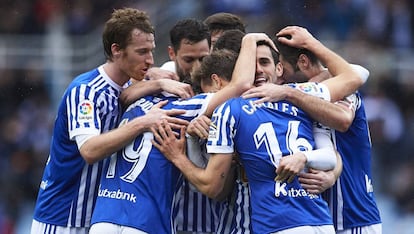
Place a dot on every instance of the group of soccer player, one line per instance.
(238, 133)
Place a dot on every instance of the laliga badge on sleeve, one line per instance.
(85, 111)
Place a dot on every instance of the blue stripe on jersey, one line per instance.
(68, 188)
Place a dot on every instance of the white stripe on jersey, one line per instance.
(195, 212)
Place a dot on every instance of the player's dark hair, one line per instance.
(291, 54)
(224, 21)
(230, 40)
(220, 62)
(118, 29)
(192, 30)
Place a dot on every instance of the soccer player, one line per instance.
(190, 204)
(264, 146)
(82, 134)
(139, 182)
(351, 199)
(190, 42)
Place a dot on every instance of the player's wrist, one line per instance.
(292, 94)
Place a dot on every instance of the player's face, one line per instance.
(265, 66)
(291, 74)
(189, 57)
(137, 57)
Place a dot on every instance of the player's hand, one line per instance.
(156, 73)
(295, 36)
(199, 127)
(266, 93)
(259, 37)
(156, 115)
(315, 181)
(289, 166)
(166, 141)
(180, 89)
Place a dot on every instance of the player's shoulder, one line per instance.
(313, 88)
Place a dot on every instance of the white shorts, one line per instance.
(323, 229)
(371, 229)
(42, 228)
(111, 228)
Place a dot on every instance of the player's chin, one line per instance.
(141, 74)
(260, 83)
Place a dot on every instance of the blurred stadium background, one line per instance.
(45, 43)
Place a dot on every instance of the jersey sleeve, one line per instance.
(82, 112)
(315, 89)
(323, 157)
(221, 132)
(350, 102)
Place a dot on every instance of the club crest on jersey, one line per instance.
(85, 111)
(212, 133)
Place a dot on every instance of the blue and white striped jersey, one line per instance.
(236, 213)
(69, 185)
(194, 211)
(262, 134)
(139, 183)
(352, 199)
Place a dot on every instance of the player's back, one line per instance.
(262, 134)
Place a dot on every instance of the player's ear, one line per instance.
(303, 62)
(279, 69)
(171, 53)
(216, 82)
(116, 50)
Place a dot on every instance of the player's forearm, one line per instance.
(324, 112)
(242, 77)
(321, 159)
(339, 68)
(203, 180)
(138, 90)
(244, 69)
(338, 168)
(104, 145)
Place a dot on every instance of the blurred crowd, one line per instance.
(377, 34)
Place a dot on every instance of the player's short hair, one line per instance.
(220, 62)
(291, 54)
(192, 30)
(230, 40)
(224, 21)
(119, 26)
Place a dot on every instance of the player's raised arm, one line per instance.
(345, 80)
(243, 73)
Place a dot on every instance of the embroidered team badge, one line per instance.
(85, 111)
(212, 133)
